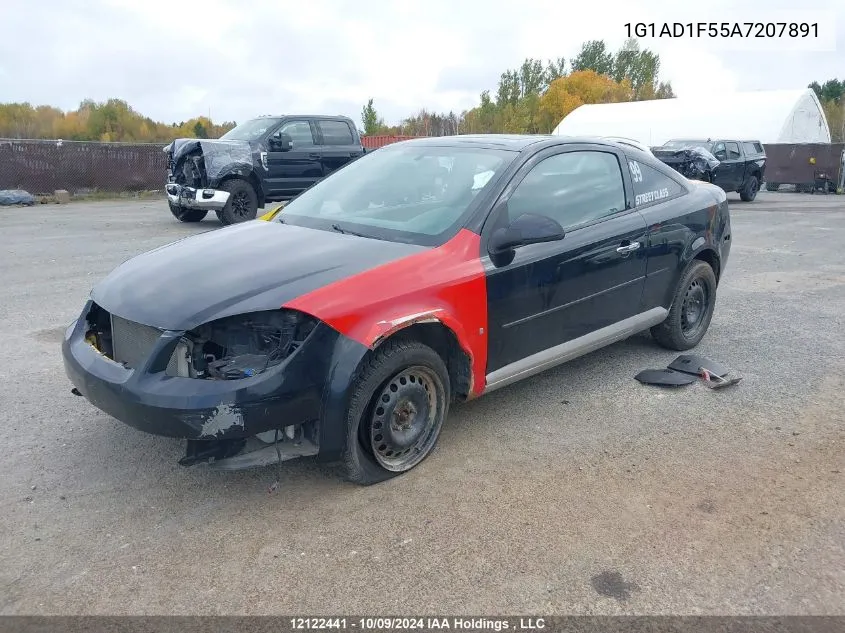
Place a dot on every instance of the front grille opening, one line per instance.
(99, 332)
(132, 342)
(119, 339)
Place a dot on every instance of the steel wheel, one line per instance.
(406, 419)
(694, 308)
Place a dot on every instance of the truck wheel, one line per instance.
(772, 186)
(242, 205)
(396, 411)
(750, 191)
(186, 215)
(691, 311)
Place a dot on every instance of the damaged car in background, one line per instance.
(692, 161)
(430, 272)
(266, 159)
(737, 166)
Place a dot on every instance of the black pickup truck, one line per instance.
(266, 159)
(730, 164)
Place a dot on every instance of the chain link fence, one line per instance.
(80, 167)
(40, 167)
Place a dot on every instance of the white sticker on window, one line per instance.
(636, 173)
(651, 196)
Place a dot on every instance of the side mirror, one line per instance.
(527, 229)
(281, 142)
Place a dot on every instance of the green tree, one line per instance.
(594, 56)
(555, 69)
(640, 67)
(370, 119)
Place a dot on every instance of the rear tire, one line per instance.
(186, 215)
(242, 205)
(691, 311)
(750, 190)
(398, 404)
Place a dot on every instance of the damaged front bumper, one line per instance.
(191, 198)
(234, 424)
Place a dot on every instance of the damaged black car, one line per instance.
(692, 160)
(430, 272)
(266, 159)
(733, 165)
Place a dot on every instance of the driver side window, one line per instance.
(571, 188)
(300, 133)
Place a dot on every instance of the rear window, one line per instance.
(652, 186)
(752, 148)
(336, 133)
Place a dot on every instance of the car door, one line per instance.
(731, 169)
(292, 171)
(338, 144)
(555, 292)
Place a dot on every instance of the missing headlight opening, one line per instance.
(241, 346)
(99, 333)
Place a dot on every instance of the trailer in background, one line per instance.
(809, 167)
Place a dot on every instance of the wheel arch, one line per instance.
(709, 255)
(434, 333)
(248, 176)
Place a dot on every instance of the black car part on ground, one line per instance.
(693, 364)
(664, 378)
(686, 369)
(692, 161)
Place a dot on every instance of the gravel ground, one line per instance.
(579, 491)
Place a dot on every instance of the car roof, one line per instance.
(512, 142)
(301, 115)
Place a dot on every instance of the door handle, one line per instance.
(629, 248)
(313, 155)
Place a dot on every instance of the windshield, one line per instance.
(678, 144)
(250, 130)
(405, 192)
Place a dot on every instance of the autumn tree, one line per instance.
(112, 120)
(579, 88)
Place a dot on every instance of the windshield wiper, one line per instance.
(337, 228)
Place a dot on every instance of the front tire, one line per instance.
(691, 311)
(186, 215)
(750, 191)
(242, 205)
(398, 404)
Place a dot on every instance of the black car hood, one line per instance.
(242, 268)
(181, 146)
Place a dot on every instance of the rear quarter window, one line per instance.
(651, 185)
(336, 133)
(752, 148)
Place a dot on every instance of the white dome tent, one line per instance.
(770, 116)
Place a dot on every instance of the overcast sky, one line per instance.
(234, 59)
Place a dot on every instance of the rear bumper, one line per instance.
(191, 198)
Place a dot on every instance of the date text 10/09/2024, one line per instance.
(722, 29)
(418, 623)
